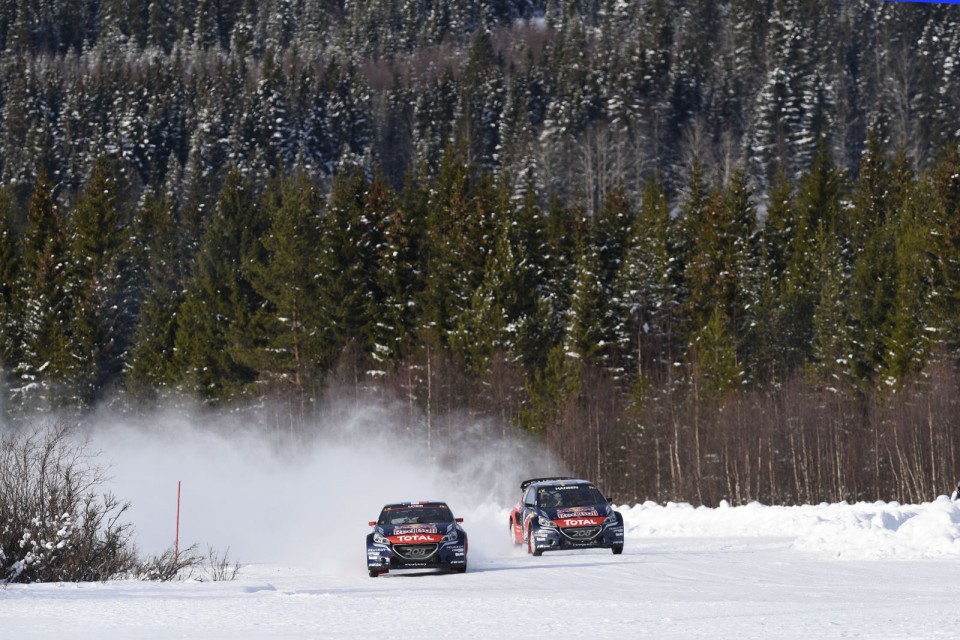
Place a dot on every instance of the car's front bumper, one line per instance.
(443, 555)
(607, 536)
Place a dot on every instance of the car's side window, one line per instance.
(531, 497)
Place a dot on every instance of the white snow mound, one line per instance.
(861, 531)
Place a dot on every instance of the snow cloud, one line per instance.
(270, 497)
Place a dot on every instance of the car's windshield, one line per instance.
(418, 514)
(558, 497)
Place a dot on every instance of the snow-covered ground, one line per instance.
(297, 525)
(829, 571)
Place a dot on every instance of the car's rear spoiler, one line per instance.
(527, 483)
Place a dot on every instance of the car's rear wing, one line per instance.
(527, 483)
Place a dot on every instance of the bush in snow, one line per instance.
(54, 525)
(188, 564)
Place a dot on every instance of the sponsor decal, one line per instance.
(413, 538)
(405, 529)
(577, 512)
(581, 522)
(571, 487)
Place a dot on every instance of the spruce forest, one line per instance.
(699, 250)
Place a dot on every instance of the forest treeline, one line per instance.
(695, 352)
(578, 95)
(703, 250)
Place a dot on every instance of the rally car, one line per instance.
(564, 513)
(416, 535)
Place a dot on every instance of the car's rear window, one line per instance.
(418, 514)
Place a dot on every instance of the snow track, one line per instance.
(679, 586)
(879, 571)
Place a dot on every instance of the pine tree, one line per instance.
(10, 298)
(643, 295)
(349, 115)
(160, 29)
(713, 352)
(113, 30)
(913, 324)
(400, 274)
(159, 274)
(744, 256)
(831, 344)
(271, 115)
(243, 32)
(767, 358)
(723, 257)
(588, 338)
(945, 221)
(18, 119)
(502, 304)
(395, 148)
(433, 122)
(516, 136)
(481, 329)
(873, 230)
(682, 236)
(287, 279)
(532, 298)
(551, 391)
(43, 285)
(481, 103)
(352, 234)
(817, 216)
(214, 331)
(95, 235)
(459, 229)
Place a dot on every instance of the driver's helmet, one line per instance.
(552, 499)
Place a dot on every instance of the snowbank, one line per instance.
(862, 531)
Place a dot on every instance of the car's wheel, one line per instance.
(374, 573)
(513, 532)
(532, 544)
(617, 549)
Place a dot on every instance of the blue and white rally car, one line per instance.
(416, 535)
(564, 513)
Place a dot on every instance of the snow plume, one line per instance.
(307, 499)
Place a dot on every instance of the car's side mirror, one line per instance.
(459, 519)
(372, 524)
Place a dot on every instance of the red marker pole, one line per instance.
(176, 539)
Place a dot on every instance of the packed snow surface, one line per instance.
(297, 524)
(826, 571)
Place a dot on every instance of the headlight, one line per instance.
(450, 537)
(546, 522)
(379, 539)
(611, 519)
